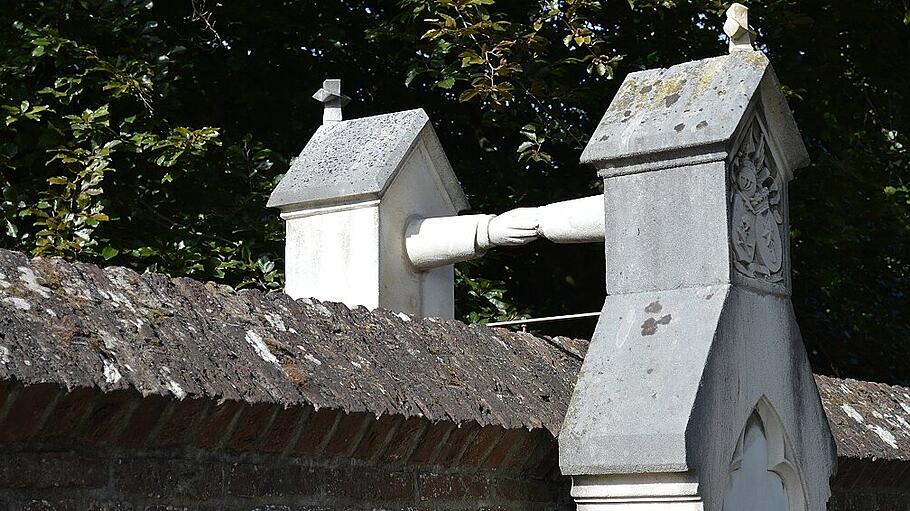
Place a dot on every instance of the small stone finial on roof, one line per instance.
(737, 28)
(333, 100)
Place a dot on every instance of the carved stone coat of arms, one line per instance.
(756, 219)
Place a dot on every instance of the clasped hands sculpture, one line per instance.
(439, 241)
(519, 226)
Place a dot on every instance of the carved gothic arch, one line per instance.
(778, 457)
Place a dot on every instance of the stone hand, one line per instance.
(516, 227)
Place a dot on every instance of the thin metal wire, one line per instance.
(542, 320)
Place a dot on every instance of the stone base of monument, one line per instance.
(637, 492)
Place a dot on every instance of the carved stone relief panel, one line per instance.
(758, 233)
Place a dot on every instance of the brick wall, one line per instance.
(86, 449)
(870, 485)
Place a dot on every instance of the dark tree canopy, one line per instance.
(150, 135)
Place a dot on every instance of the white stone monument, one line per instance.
(696, 392)
(370, 207)
(346, 201)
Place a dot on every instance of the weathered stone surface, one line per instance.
(654, 353)
(869, 420)
(360, 158)
(77, 325)
(693, 108)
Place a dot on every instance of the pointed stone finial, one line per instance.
(737, 28)
(333, 100)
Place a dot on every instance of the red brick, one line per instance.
(872, 475)
(368, 485)
(377, 437)
(177, 428)
(253, 422)
(527, 490)
(71, 410)
(283, 428)
(543, 457)
(853, 501)
(171, 478)
(36, 470)
(848, 473)
(432, 442)
(256, 480)
(108, 417)
(6, 389)
(110, 505)
(902, 484)
(215, 426)
(144, 420)
(27, 409)
(456, 444)
(481, 446)
(315, 432)
(527, 444)
(453, 487)
(888, 474)
(347, 434)
(46, 505)
(405, 439)
(507, 443)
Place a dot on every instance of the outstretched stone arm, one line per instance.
(573, 221)
(444, 240)
(440, 241)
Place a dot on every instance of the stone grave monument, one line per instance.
(696, 392)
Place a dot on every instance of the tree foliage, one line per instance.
(150, 135)
(99, 163)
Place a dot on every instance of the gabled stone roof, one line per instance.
(81, 326)
(360, 157)
(677, 109)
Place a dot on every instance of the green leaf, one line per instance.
(11, 230)
(469, 58)
(446, 83)
(524, 146)
(431, 34)
(109, 252)
(412, 73)
(144, 252)
(468, 95)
